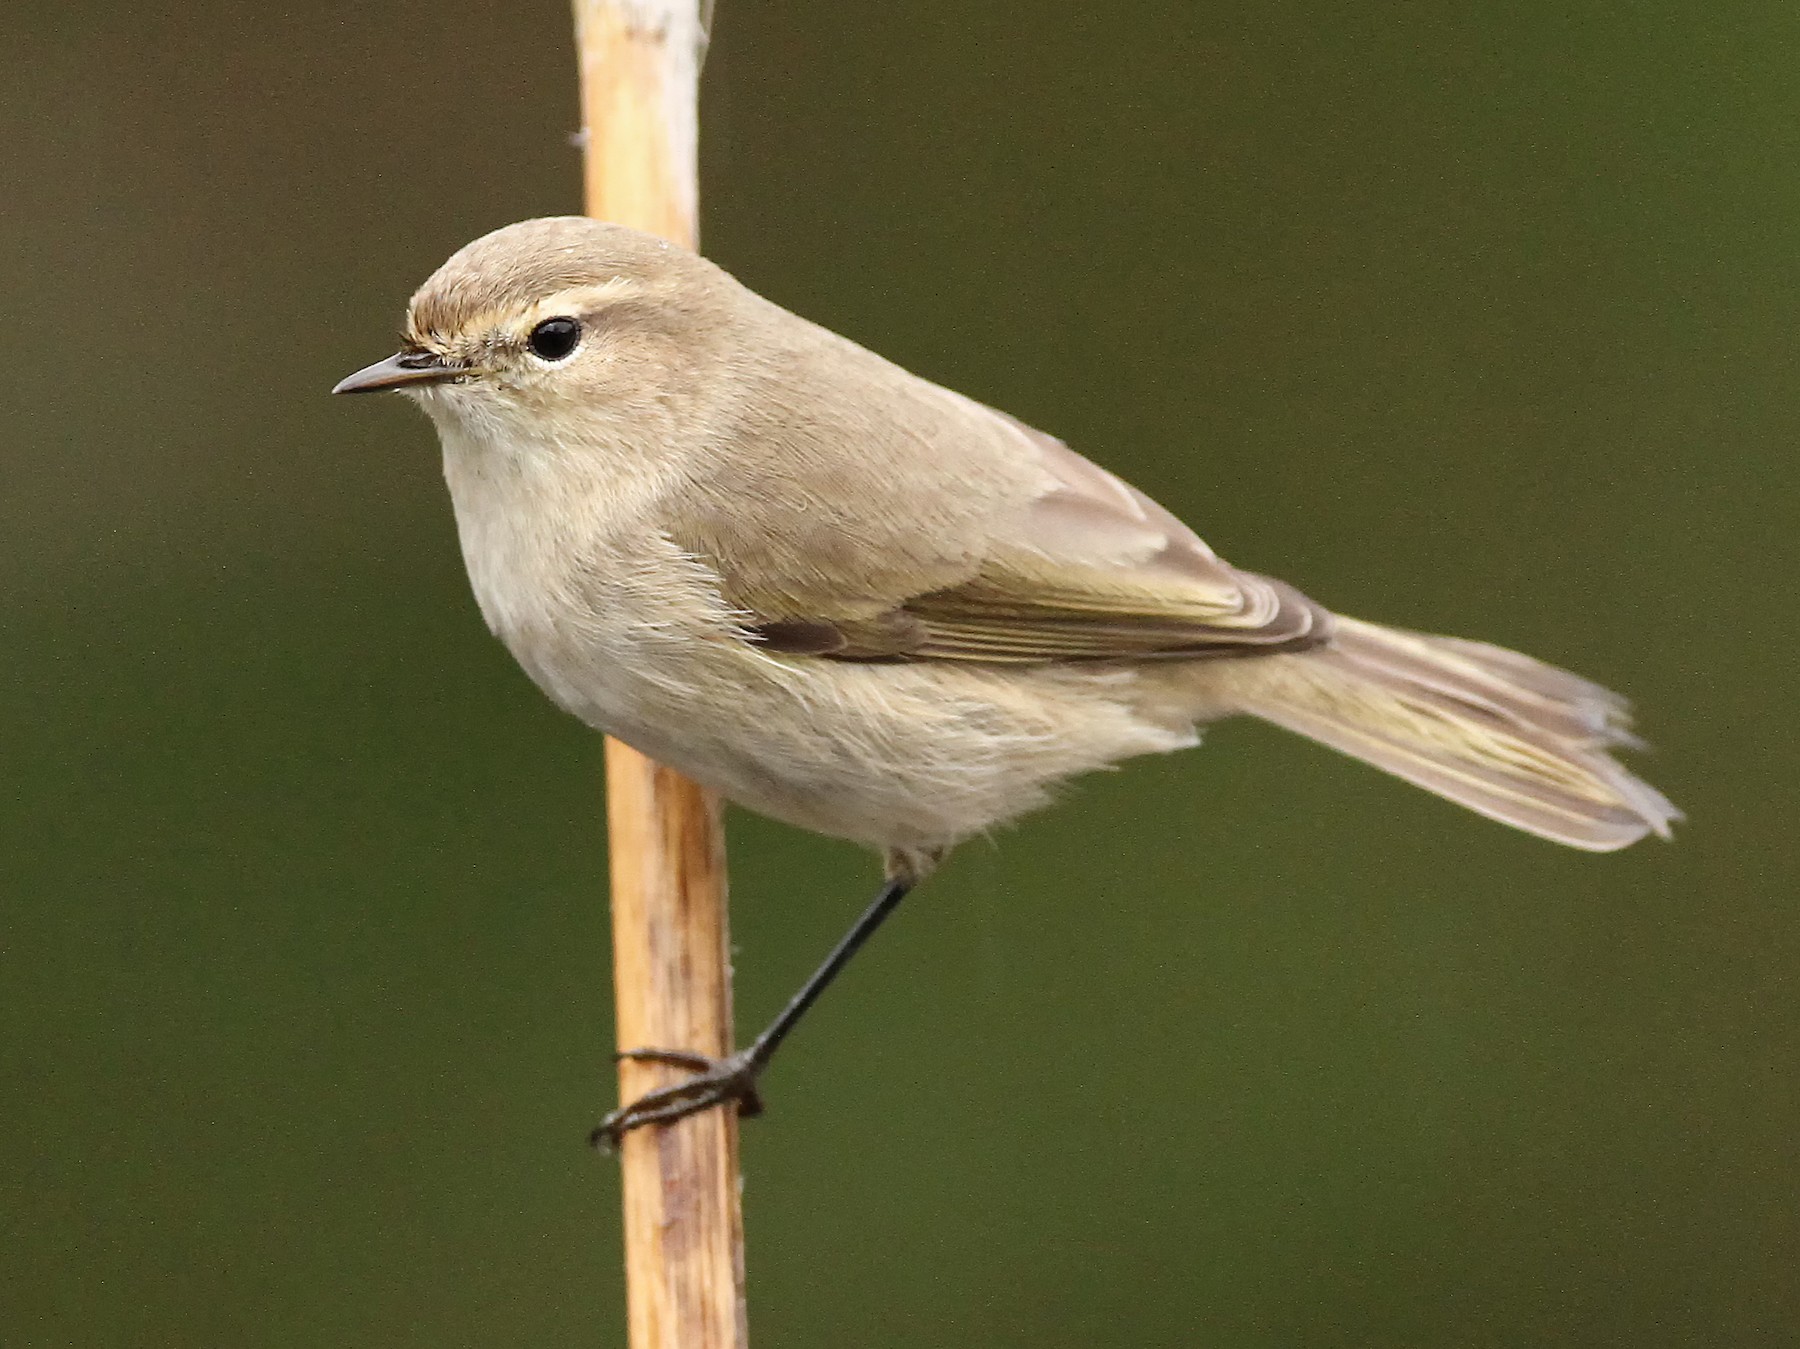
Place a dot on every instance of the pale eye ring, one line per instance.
(555, 339)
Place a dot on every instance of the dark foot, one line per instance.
(715, 1082)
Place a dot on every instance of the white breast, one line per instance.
(620, 627)
(608, 616)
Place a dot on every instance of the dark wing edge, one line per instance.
(1092, 570)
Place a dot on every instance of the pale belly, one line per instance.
(634, 640)
(893, 756)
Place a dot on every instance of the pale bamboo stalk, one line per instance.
(684, 1231)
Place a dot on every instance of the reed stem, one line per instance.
(684, 1232)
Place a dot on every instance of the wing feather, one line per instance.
(1092, 569)
(887, 518)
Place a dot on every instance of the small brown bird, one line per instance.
(858, 602)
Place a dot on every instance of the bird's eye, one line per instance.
(554, 339)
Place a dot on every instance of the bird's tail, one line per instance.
(1517, 740)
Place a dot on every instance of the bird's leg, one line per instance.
(733, 1078)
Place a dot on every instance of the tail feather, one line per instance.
(1505, 735)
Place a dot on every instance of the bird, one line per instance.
(856, 601)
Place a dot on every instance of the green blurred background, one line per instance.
(1475, 319)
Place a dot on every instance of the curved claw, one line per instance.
(675, 1058)
(715, 1082)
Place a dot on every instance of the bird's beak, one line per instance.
(400, 370)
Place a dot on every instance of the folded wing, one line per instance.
(1084, 568)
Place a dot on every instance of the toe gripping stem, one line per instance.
(717, 1081)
